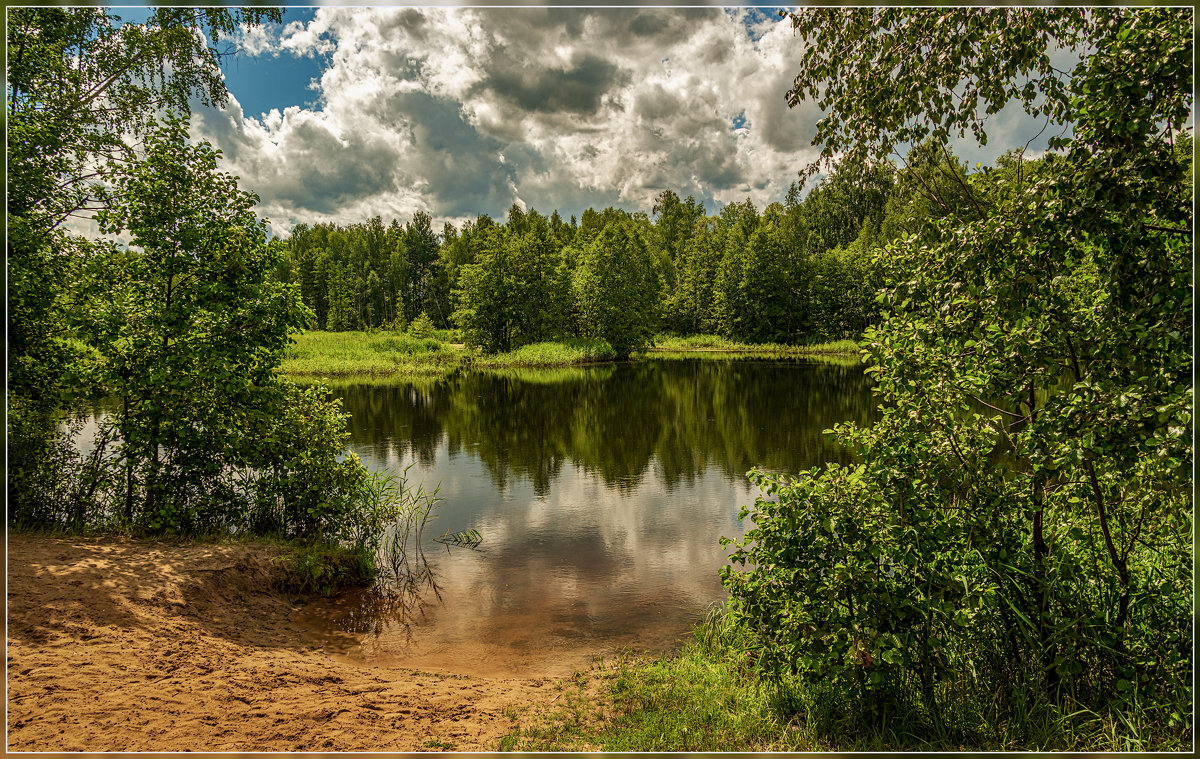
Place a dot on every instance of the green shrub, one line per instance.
(421, 327)
(324, 568)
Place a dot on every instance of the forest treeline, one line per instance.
(794, 272)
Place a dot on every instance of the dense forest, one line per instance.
(796, 272)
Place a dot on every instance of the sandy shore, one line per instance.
(125, 645)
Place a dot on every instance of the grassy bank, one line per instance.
(709, 698)
(371, 357)
(718, 344)
(700, 700)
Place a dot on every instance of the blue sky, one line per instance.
(339, 114)
(264, 82)
(261, 84)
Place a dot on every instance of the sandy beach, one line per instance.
(127, 645)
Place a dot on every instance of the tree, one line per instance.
(617, 289)
(515, 291)
(421, 252)
(486, 296)
(675, 223)
(1022, 507)
(852, 197)
(77, 85)
(342, 316)
(690, 308)
(190, 325)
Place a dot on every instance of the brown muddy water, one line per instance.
(600, 493)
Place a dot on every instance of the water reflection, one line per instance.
(600, 495)
(615, 420)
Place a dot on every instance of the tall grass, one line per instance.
(374, 356)
(566, 352)
(380, 354)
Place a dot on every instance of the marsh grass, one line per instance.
(381, 356)
(370, 355)
(835, 359)
(716, 343)
(566, 352)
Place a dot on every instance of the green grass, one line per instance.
(704, 699)
(709, 698)
(368, 355)
(334, 357)
(566, 352)
(716, 343)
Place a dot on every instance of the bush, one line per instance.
(324, 568)
(421, 327)
(1020, 524)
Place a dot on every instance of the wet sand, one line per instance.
(125, 645)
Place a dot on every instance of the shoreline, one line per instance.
(119, 644)
(381, 356)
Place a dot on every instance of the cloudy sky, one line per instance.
(339, 114)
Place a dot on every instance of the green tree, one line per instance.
(514, 292)
(421, 253)
(690, 307)
(342, 316)
(78, 84)
(675, 223)
(1023, 507)
(617, 288)
(486, 296)
(190, 326)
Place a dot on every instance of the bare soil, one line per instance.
(127, 645)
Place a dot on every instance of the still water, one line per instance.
(601, 495)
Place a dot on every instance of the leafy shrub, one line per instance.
(324, 568)
(1020, 523)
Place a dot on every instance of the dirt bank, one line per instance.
(129, 645)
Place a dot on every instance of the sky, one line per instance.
(340, 114)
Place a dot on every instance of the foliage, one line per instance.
(77, 86)
(421, 328)
(616, 287)
(183, 329)
(513, 292)
(323, 568)
(1021, 511)
(702, 699)
(463, 538)
(794, 274)
(345, 354)
(409, 509)
(568, 352)
(927, 74)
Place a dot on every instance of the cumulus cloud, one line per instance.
(460, 111)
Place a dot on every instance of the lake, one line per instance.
(600, 493)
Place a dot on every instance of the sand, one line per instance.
(126, 645)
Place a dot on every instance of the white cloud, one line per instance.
(587, 107)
